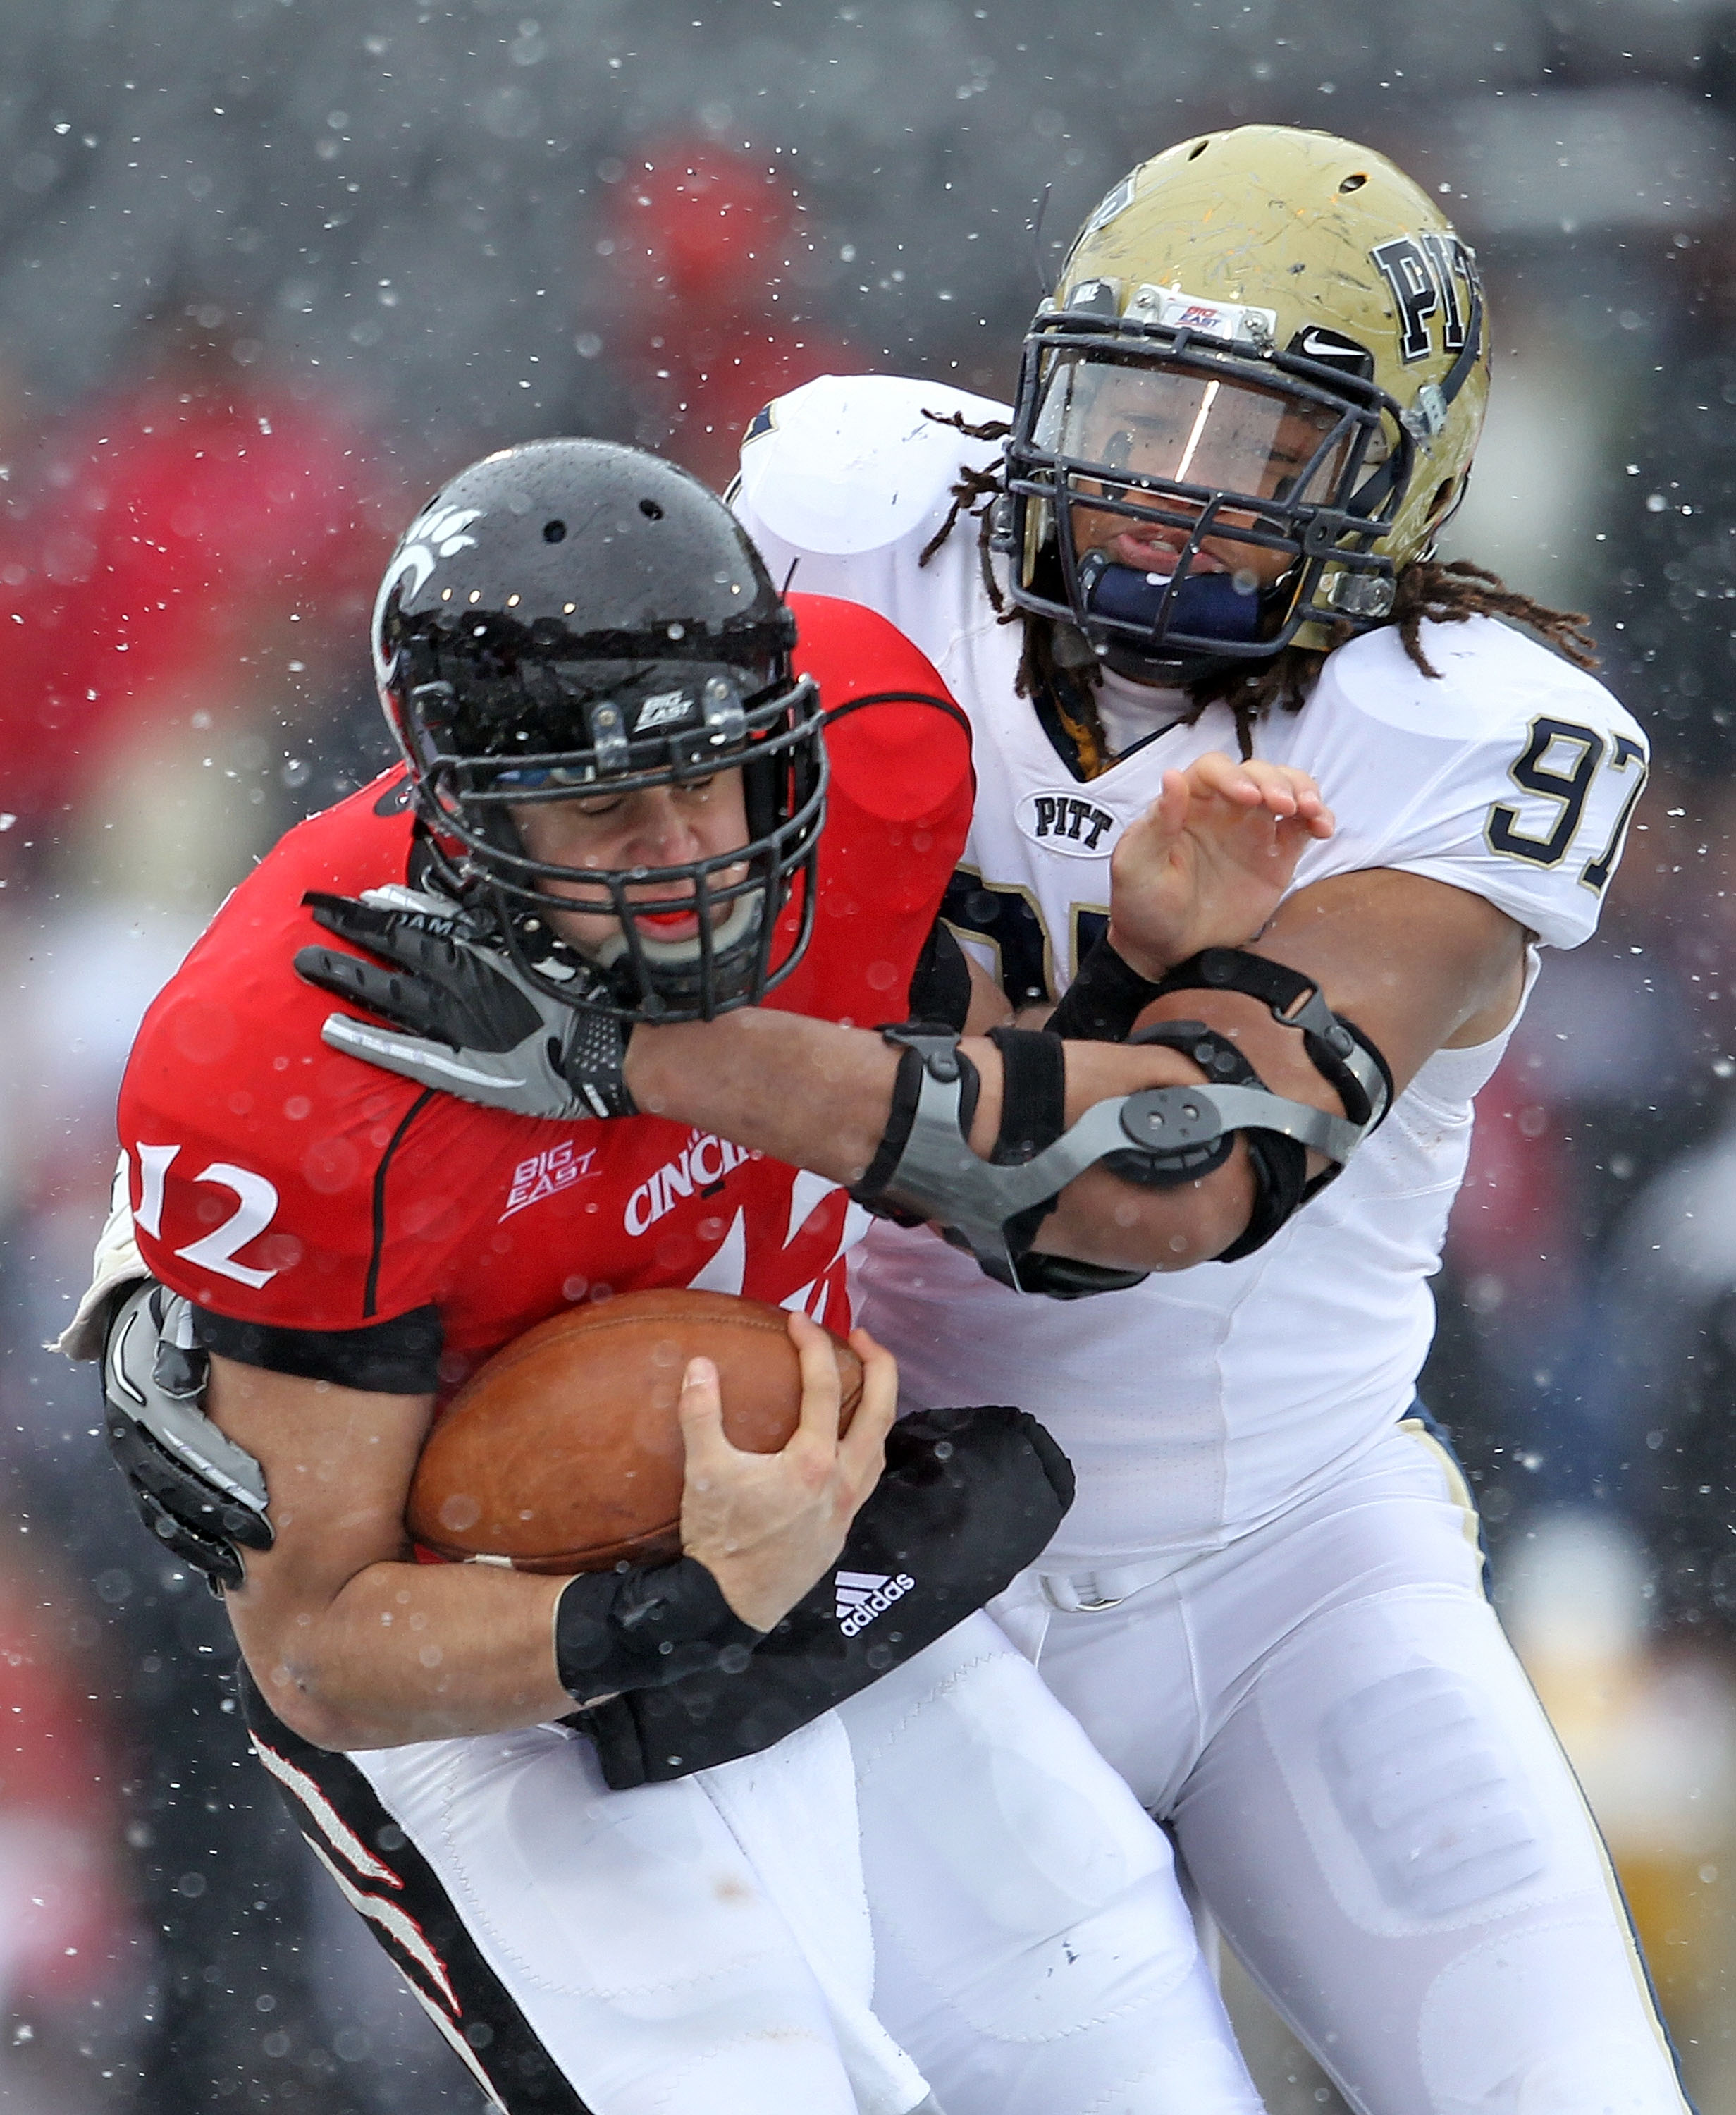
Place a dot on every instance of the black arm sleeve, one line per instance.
(617, 1631)
(1104, 1000)
(969, 1498)
(940, 984)
(397, 1357)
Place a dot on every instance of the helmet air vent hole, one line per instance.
(1199, 150)
(651, 511)
(554, 532)
(1353, 183)
(1443, 492)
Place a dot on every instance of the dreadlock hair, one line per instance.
(974, 493)
(1425, 591)
(1449, 594)
(1057, 665)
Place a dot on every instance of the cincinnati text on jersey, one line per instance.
(703, 1165)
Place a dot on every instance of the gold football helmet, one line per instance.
(1252, 399)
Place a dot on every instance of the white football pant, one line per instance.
(1370, 1802)
(704, 1947)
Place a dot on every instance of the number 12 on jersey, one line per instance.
(255, 1208)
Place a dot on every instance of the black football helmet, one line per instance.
(572, 616)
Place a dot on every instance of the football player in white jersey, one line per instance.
(1239, 427)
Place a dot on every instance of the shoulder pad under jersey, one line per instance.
(1489, 678)
(1509, 772)
(851, 463)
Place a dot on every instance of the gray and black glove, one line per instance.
(203, 1497)
(460, 1015)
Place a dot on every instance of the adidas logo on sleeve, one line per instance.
(862, 1595)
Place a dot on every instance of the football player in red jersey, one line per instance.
(611, 824)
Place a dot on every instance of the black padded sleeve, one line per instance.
(1104, 1000)
(940, 984)
(398, 1357)
(1034, 1114)
(638, 1629)
(969, 1498)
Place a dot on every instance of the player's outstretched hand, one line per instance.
(767, 1526)
(459, 1014)
(1207, 864)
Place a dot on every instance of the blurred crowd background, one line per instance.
(270, 268)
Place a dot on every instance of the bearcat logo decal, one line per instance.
(439, 533)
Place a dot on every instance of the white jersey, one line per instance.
(1196, 1405)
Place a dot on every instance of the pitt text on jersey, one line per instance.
(1066, 821)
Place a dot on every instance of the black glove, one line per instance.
(969, 1498)
(202, 1496)
(474, 1026)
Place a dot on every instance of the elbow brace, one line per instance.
(1157, 1137)
(1345, 1058)
(1349, 1061)
(925, 1168)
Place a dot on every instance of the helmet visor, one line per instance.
(1130, 426)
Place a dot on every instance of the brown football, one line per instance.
(563, 1453)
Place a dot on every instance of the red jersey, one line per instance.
(337, 1221)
